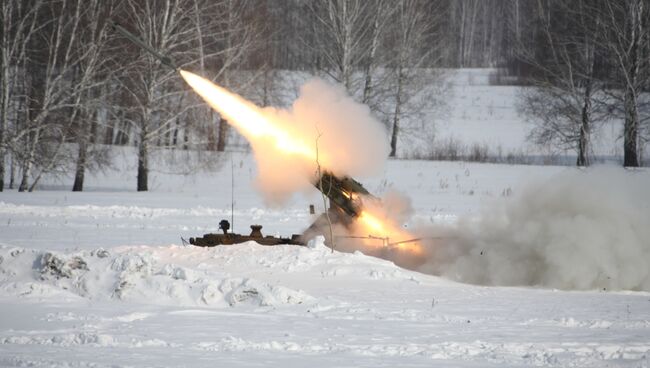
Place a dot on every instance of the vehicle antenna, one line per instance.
(232, 193)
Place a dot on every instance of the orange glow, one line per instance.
(395, 236)
(373, 223)
(247, 117)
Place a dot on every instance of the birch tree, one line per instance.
(342, 31)
(93, 76)
(212, 36)
(18, 24)
(413, 24)
(625, 31)
(51, 93)
(152, 89)
(564, 104)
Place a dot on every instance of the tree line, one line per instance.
(69, 80)
(589, 62)
(70, 85)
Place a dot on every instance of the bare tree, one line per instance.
(413, 24)
(625, 31)
(468, 14)
(342, 31)
(93, 73)
(381, 15)
(194, 33)
(152, 103)
(51, 92)
(18, 24)
(563, 103)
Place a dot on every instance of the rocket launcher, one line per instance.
(344, 193)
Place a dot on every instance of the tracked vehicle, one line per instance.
(227, 238)
(344, 195)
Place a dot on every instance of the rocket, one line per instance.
(165, 60)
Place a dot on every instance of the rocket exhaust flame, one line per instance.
(246, 116)
(394, 236)
(264, 129)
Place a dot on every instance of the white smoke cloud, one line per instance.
(350, 140)
(579, 230)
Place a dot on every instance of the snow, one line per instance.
(250, 305)
(101, 278)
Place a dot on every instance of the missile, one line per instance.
(165, 60)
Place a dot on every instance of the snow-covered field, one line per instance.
(488, 115)
(101, 279)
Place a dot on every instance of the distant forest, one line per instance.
(70, 85)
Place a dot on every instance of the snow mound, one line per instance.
(237, 291)
(135, 274)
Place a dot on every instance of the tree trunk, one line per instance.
(631, 125)
(461, 34)
(108, 133)
(585, 126)
(27, 168)
(222, 135)
(3, 126)
(82, 157)
(630, 131)
(583, 140)
(186, 135)
(367, 88)
(346, 57)
(398, 113)
(143, 164)
(29, 161)
(2, 154)
(4, 89)
(177, 127)
(12, 172)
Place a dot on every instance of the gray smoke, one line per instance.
(579, 230)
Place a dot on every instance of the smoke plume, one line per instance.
(349, 140)
(579, 230)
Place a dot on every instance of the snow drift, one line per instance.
(582, 229)
(134, 274)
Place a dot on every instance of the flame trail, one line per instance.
(246, 116)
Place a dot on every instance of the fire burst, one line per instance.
(251, 122)
(393, 236)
